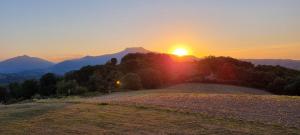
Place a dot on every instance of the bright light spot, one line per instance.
(118, 82)
(180, 52)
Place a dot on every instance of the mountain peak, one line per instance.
(23, 63)
(136, 49)
(76, 64)
(23, 56)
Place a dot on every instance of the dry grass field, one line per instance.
(181, 109)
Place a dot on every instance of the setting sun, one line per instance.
(180, 52)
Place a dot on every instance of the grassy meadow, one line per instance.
(181, 109)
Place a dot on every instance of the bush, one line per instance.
(150, 78)
(66, 88)
(131, 81)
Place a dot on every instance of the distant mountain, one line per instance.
(293, 64)
(23, 63)
(17, 77)
(75, 64)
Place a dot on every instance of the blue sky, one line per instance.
(62, 29)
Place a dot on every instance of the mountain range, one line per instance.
(26, 67)
(75, 64)
(23, 63)
(31, 67)
(293, 64)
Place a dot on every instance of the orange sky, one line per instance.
(59, 30)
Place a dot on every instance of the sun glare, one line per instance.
(180, 52)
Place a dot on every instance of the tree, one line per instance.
(293, 88)
(131, 81)
(83, 75)
(15, 90)
(277, 86)
(48, 84)
(150, 78)
(66, 88)
(113, 62)
(29, 88)
(104, 78)
(3, 94)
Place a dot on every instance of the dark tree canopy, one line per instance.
(131, 81)
(3, 94)
(48, 84)
(153, 70)
(150, 78)
(15, 90)
(29, 88)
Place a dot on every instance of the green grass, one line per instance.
(82, 118)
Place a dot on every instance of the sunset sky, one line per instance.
(63, 29)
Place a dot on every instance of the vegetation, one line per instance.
(150, 78)
(131, 81)
(150, 71)
(66, 88)
(48, 84)
(3, 94)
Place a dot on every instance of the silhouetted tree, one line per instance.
(150, 78)
(131, 81)
(293, 88)
(113, 62)
(66, 88)
(48, 84)
(83, 75)
(104, 78)
(3, 94)
(29, 88)
(15, 90)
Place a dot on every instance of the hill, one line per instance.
(25, 67)
(12, 77)
(70, 65)
(181, 109)
(23, 63)
(293, 64)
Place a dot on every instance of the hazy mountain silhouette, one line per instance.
(293, 64)
(32, 66)
(23, 63)
(75, 64)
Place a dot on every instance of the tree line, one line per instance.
(151, 71)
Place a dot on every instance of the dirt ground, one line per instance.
(216, 100)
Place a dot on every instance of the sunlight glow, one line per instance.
(180, 52)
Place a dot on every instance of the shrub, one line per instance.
(131, 81)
